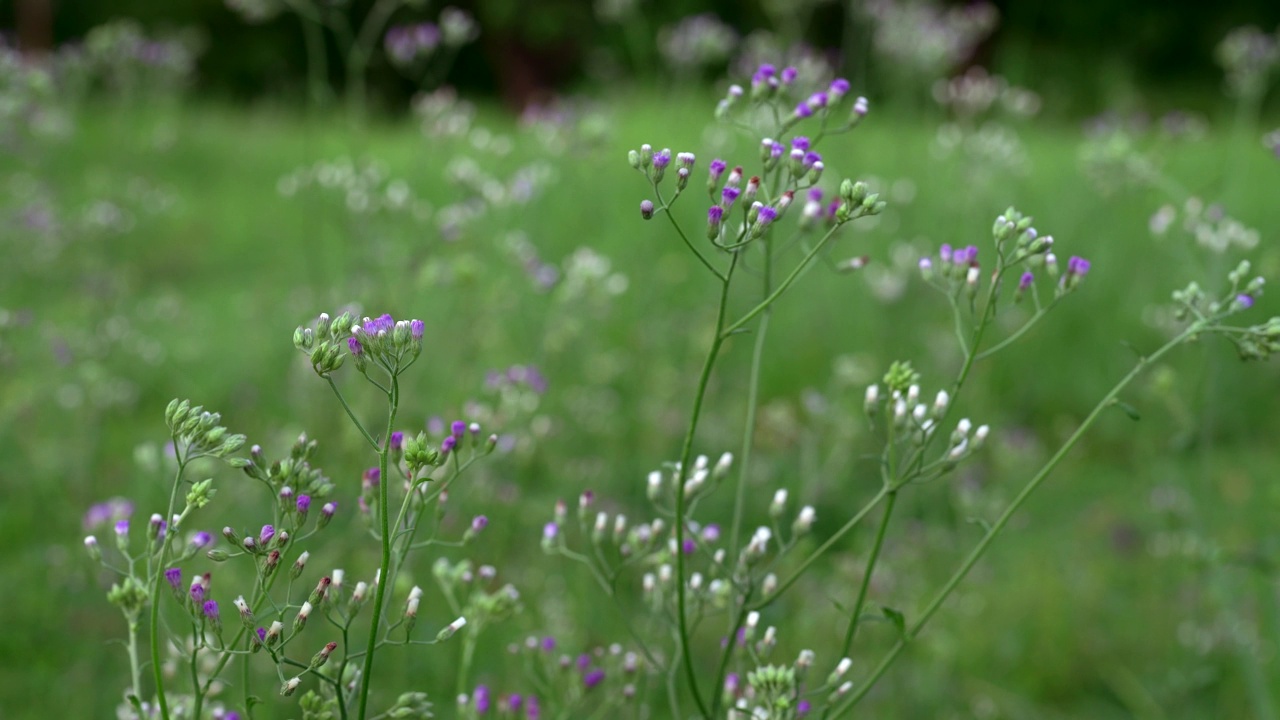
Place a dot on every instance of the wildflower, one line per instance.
(593, 678)
(646, 209)
(174, 576)
(728, 195)
(210, 610)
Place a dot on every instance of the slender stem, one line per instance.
(135, 667)
(784, 286)
(1032, 485)
(380, 592)
(753, 399)
(361, 49)
(317, 67)
(813, 557)
(351, 414)
(1014, 337)
(856, 615)
(158, 570)
(686, 455)
(679, 231)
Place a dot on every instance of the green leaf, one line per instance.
(1128, 409)
(980, 522)
(897, 618)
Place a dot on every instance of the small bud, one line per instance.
(646, 209)
(91, 546)
(779, 504)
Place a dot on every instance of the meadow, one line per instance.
(184, 242)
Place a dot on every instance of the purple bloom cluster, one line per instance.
(407, 43)
(107, 512)
(517, 375)
(1077, 266)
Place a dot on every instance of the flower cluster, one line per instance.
(381, 342)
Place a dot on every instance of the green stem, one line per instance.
(753, 399)
(1032, 485)
(866, 577)
(351, 414)
(784, 286)
(317, 67)
(380, 592)
(158, 571)
(1014, 337)
(686, 455)
(360, 51)
(688, 243)
(135, 667)
(813, 557)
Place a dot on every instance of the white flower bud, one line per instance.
(941, 402)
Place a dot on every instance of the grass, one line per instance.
(1072, 615)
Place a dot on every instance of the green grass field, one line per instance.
(1100, 602)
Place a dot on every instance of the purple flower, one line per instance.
(1025, 281)
(762, 74)
(1077, 265)
(481, 699)
(716, 169)
(303, 504)
(817, 100)
(711, 533)
(122, 528)
(766, 215)
(201, 539)
(329, 509)
(662, 159)
(106, 512)
(210, 609)
(803, 110)
(728, 195)
(266, 534)
(584, 662)
(262, 634)
(397, 440)
(802, 708)
(371, 478)
(458, 427)
(479, 523)
(449, 444)
(513, 702)
(715, 214)
(1244, 301)
(776, 150)
(531, 710)
(690, 546)
(548, 643)
(789, 75)
(839, 86)
(356, 348)
(174, 576)
(197, 593)
(416, 328)
(800, 142)
(815, 194)
(810, 158)
(550, 530)
(944, 252)
(646, 209)
(593, 678)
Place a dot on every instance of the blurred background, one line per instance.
(183, 183)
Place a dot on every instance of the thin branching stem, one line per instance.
(1032, 485)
